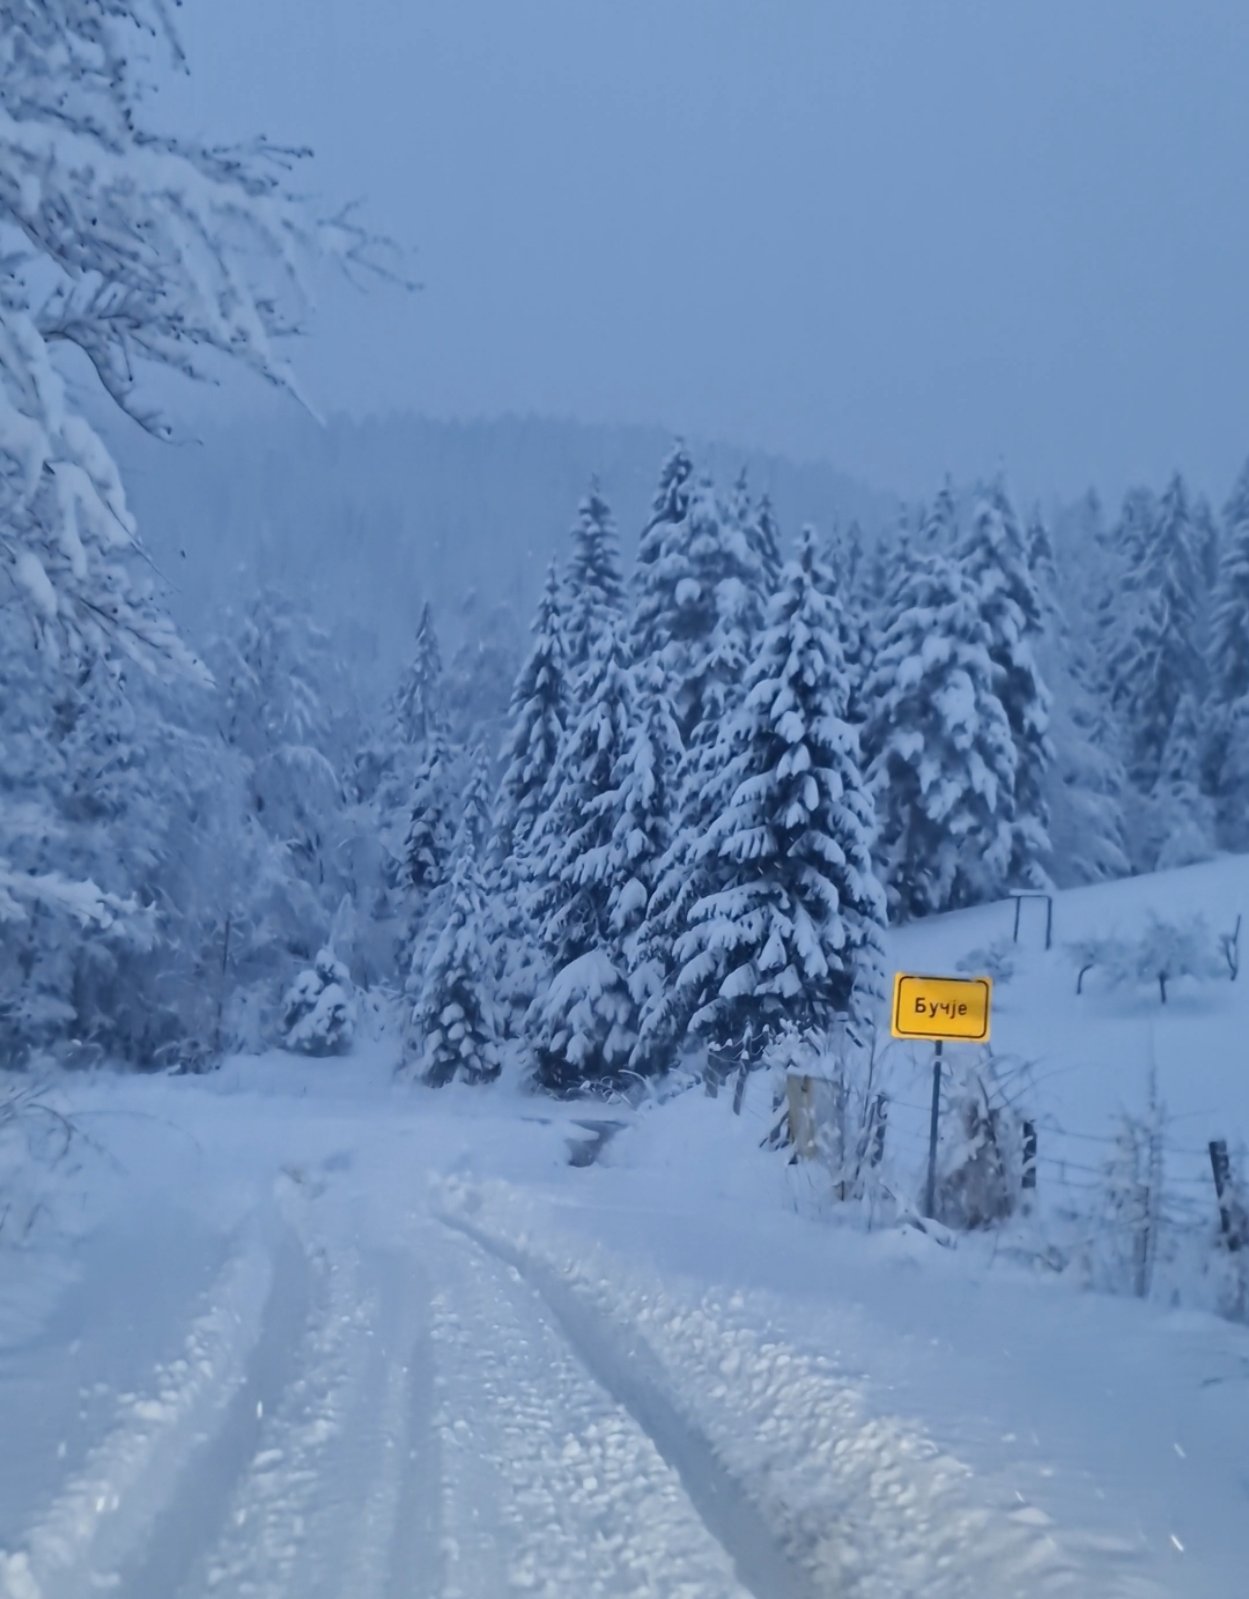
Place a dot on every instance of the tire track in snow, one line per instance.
(208, 1470)
(105, 1516)
(603, 1491)
(866, 1506)
(416, 1564)
(293, 1500)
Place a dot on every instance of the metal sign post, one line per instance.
(942, 1010)
(930, 1197)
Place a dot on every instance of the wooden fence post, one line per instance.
(880, 1123)
(1230, 1223)
(1028, 1182)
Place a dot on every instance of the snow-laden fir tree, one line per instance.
(538, 715)
(752, 529)
(699, 590)
(1110, 579)
(1089, 793)
(433, 809)
(539, 710)
(455, 1029)
(1087, 787)
(1156, 655)
(660, 559)
(319, 1009)
(785, 929)
(419, 705)
(272, 671)
(477, 683)
(1229, 642)
(1227, 761)
(942, 758)
(402, 774)
(477, 804)
(938, 529)
(1179, 824)
(764, 536)
(1042, 564)
(648, 809)
(582, 1022)
(594, 584)
(994, 556)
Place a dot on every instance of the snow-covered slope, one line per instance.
(1088, 1058)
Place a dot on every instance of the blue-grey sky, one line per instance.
(945, 234)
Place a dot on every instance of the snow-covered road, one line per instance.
(366, 1349)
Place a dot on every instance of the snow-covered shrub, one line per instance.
(976, 1184)
(1166, 951)
(1162, 952)
(1098, 950)
(1122, 1247)
(35, 1139)
(319, 1010)
(996, 960)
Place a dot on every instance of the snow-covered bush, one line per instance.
(35, 1140)
(1098, 950)
(1161, 953)
(996, 960)
(1166, 951)
(977, 1183)
(319, 1010)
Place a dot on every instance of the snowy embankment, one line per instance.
(1080, 1065)
(293, 1329)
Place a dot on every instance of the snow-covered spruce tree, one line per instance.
(454, 1029)
(594, 583)
(1155, 657)
(419, 704)
(661, 559)
(1087, 787)
(1041, 564)
(753, 531)
(1089, 793)
(942, 760)
(433, 807)
(539, 710)
(785, 928)
(1112, 578)
(482, 670)
(764, 536)
(1227, 758)
(1179, 818)
(648, 812)
(698, 600)
(319, 1009)
(271, 672)
(405, 780)
(538, 715)
(938, 529)
(582, 1023)
(994, 555)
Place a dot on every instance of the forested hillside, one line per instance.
(680, 812)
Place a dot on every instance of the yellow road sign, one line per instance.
(945, 1009)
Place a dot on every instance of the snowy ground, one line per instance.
(291, 1331)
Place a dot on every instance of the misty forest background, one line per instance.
(576, 774)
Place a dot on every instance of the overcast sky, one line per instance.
(905, 237)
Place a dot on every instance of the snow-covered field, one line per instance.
(293, 1330)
